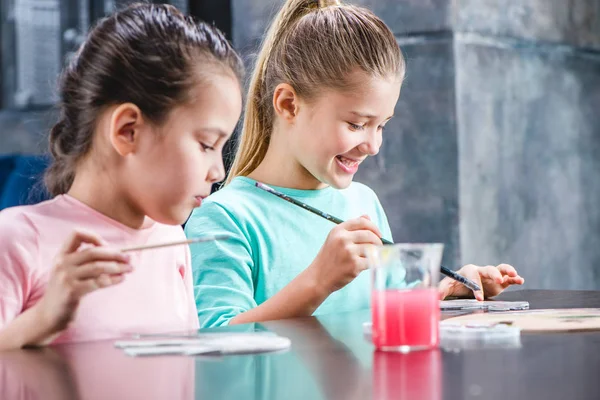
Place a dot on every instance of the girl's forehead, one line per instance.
(377, 92)
(359, 79)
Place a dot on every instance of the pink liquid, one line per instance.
(405, 318)
(416, 375)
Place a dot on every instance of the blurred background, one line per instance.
(494, 150)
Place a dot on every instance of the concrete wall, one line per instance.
(528, 113)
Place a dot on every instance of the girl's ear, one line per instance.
(125, 126)
(286, 102)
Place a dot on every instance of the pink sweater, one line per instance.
(156, 297)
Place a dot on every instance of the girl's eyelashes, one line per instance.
(355, 127)
(206, 147)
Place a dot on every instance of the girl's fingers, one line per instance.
(513, 281)
(491, 273)
(87, 286)
(96, 269)
(445, 288)
(79, 237)
(361, 223)
(364, 237)
(506, 269)
(480, 274)
(96, 254)
(363, 264)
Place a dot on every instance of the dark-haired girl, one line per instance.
(147, 104)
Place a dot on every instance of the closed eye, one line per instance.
(206, 147)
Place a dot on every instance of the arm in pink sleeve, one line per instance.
(18, 254)
(22, 282)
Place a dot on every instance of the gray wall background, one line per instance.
(495, 148)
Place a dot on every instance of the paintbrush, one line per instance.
(448, 272)
(177, 243)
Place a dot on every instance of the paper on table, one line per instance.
(158, 343)
(199, 335)
(551, 320)
(169, 350)
(219, 344)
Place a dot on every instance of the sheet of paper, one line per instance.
(213, 344)
(169, 350)
(550, 320)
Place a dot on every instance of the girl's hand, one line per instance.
(77, 273)
(343, 256)
(492, 280)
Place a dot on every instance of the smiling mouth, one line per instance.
(348, 162)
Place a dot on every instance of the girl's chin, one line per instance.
(339, 182)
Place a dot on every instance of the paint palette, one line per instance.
(469, 336)
(487, 305)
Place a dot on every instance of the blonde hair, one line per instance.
(311, 45)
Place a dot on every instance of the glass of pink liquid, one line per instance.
(405, 306)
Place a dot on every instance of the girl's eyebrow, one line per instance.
(217, 131)
(368, 116)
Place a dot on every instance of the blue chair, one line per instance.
(21, 180)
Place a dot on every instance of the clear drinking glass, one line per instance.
(404, 297)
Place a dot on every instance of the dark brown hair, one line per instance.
(147, 54)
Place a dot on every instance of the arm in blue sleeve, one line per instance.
(222, 270)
